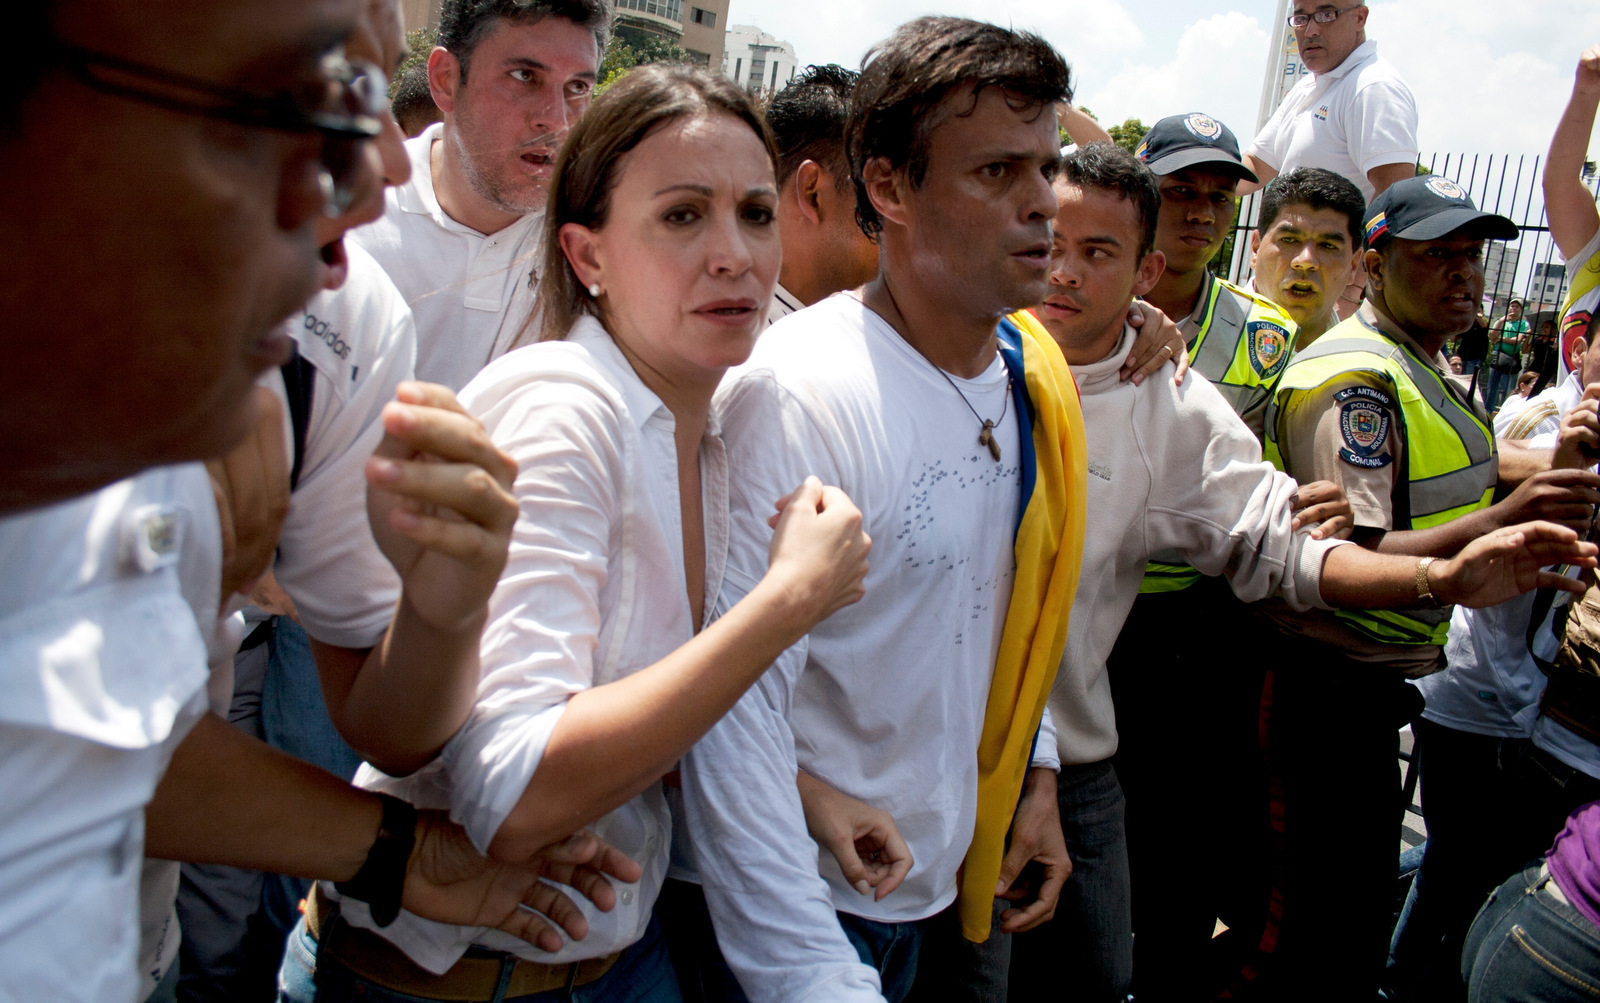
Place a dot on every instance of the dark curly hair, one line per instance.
(907, 76)
(808, 119)
(463, 23)
(1109, 167)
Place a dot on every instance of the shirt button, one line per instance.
(627, 896)
(651, 844)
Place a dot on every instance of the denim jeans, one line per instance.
(642, 975)
(1498, 388)
(1089, 944)
(1468, 785)
(1529, 946)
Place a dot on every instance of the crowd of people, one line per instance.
(666, 546)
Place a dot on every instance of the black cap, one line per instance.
(1180, 141)
(1427, 208)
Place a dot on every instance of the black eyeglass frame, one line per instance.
(1332, 15)
(342, 132)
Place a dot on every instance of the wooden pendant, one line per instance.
(986, 438)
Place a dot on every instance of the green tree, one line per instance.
(419, 42)
(1128, 134)
(623, 55)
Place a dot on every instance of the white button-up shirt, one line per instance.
(108, 605)
(471, 293)
(593, 591)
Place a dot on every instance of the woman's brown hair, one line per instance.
(586, 168)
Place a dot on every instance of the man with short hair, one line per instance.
(1306, 246)
(824, 250)
(1353, 114)
(1370, 405)
(461, 238)
(413, 102)
(922, 702)
(1171, 467)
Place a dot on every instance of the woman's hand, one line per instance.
(1508, 562)
(863, 839)
(1157, 342)
(818, 550)
(1323, 504)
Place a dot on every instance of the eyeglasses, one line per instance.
(354, 95)
(1327, 15)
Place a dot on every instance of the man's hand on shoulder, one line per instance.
(1157, 341)
(1578, 441)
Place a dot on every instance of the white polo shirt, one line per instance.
(471, 293)
(108, 606)
(361, 343)
(1356, 116)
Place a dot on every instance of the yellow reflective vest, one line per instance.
(1242, 348)
(1450, 462)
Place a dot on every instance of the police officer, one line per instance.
(1370, 405)
(1165, 696)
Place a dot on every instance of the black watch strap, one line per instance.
(382, 877)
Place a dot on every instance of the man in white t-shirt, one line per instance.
(461, 239)
(1353, 115)
(897, 390)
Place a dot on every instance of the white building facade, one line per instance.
(760, 63)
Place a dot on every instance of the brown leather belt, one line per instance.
(473, 979)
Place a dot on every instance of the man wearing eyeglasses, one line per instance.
(1353, 115)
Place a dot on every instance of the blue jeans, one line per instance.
(1498, 387)
(642, 975)
(1528, 946)
(1089, 943)
(1468, 785)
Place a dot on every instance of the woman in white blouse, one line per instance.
(603, 660)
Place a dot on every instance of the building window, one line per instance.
(672, 10)
(738, 64)
(700, 15)
(758, 69)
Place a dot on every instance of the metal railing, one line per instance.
(1508, 184)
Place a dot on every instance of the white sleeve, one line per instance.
(758, 865)
(1269, 144)
(328, 562)
(1045, 753)
(1382, 125)
(1225, 509)
(773, 912)
(544, 616)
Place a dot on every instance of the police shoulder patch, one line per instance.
(1268, 347)
(1364, 428)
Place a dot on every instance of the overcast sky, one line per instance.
(1489, 76)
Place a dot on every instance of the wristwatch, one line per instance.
(382, 877)
(1425, 596)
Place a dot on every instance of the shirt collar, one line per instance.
(1360, 54)
(1106, 374)
(787, 298)
(641, 401)
(417, 195)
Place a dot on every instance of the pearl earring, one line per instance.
(594, 290)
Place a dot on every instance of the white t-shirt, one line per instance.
(593, 590)
(783, 304)
(471, 293)
(1353, 118)
(1172, 469)
(108, 614)
(361, 341)
(885, 699)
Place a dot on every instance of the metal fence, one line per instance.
(1508, 184)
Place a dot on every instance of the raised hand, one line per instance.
(1578, 441)
(1323, 505)
(863, 839)
(818, 549)
(1157, 342)
(440, 504)
(1508, 562)
(447, 880)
